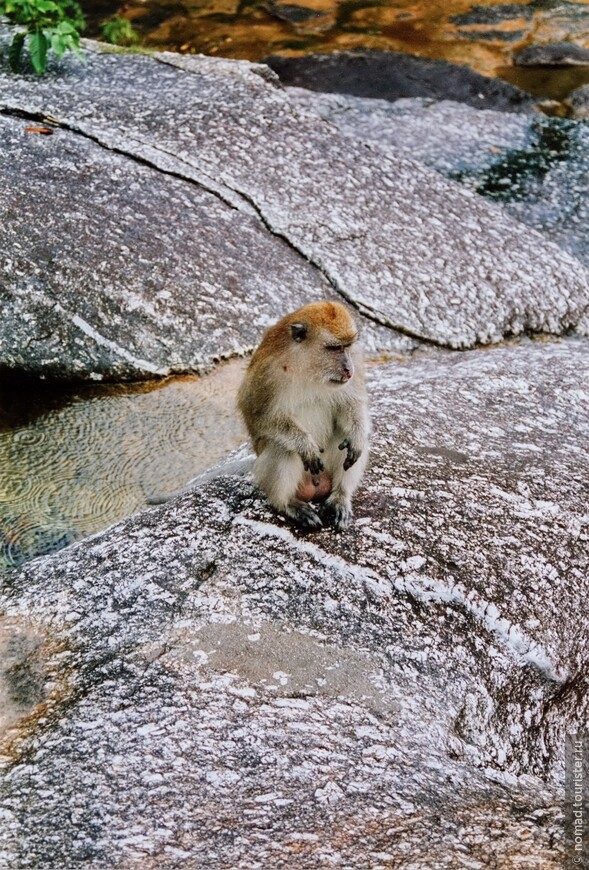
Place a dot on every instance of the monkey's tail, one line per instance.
(240, 462)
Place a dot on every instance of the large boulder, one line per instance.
(202, 685)
(110, 269)
(244, 182)
(536, 167)
(392, 75)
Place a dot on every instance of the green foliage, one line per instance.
(118, 31)
(49, 25)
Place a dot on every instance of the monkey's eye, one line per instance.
(336, 348)
(299, 331)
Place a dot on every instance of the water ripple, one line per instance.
(78, 466)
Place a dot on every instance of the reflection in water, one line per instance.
(481, 35)
(73, 465)
(552, 83)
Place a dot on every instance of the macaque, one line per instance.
(304, 403)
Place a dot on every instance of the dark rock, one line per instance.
(394, 238)
(552, 54)
(493, 35)
(292, 13)
(494, 14)
(210, 688)
(390, 75)
(567, 13)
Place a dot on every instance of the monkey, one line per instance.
(303, 400)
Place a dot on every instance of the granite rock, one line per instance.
(409, 250)
(537, 168)
(110, 269)
(201, 685)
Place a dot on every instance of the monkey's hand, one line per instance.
(311, 459)
(352, 453)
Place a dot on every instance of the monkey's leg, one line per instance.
(279, 474)
(338, 507)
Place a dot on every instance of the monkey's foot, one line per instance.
(304, 516)
(336, 514)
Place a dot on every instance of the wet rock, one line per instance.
(536, 167)
(579, 102)
(391, 75)
(552, 54)
(495, 14)
(293, 14)
(228, 693)
(22, 678)
(288, 192)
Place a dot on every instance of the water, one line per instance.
(550, 83)
(72, 463)
(481, 35)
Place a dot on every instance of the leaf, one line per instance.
(58, 43)
(46, 6)
(38, 46)
(50, 24)
(15, 50)
(75, 47)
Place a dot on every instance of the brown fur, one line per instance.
(331, 316)
(303, 401)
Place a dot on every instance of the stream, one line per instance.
(483, 36)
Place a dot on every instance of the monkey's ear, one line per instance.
(299, 331)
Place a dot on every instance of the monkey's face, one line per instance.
(322, 355)
(338, 365)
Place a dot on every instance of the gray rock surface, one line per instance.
(537, 168)
(200, 686)
(110, 269)
(553, 54)
(395, 239)
(442, 134)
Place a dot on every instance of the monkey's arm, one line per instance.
(289, 436)
(352, 425)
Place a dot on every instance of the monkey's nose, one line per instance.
(346, 375)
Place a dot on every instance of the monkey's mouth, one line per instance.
(340, 379)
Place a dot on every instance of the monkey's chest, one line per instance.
(317, 420)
